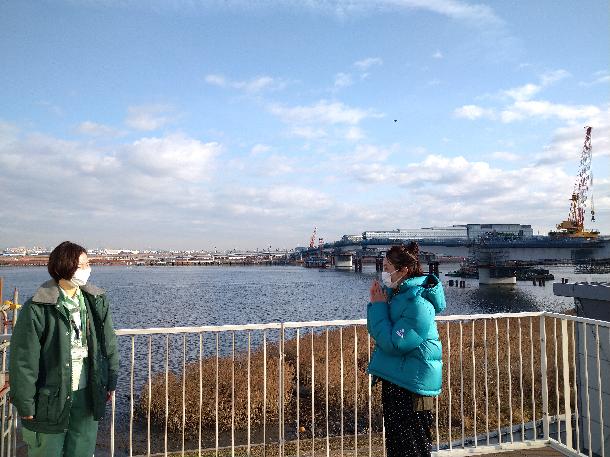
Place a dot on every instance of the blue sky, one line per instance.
(234, 124)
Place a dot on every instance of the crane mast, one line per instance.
(574, 226)
(312, 240)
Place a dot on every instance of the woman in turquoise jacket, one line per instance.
(408, 352)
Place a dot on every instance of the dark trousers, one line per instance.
(407, 432)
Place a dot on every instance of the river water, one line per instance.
(187, 296)
(143, 297)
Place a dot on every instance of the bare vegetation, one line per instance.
(491, 381)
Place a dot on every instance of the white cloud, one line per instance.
(52, 108)
(252, 86)
(258, 84)
(473, 112)
(454, 9)
(309, 133)
(149, 117)
(322, 112)
(505, 156)
(258, 149)
(524, 92)
(277, 201)
(437, 55)
(275, 165)
(98, 130)
(370, 153)
(112, 193)
(8, 133)
(541, 109)
(343, 80)
(367, 63)
(175, 155)
(567, 142)
(477, 188)
(366, 163)
(372, 173)
(216, 80)
(599, 77)
(354, 134)
(553, 76)
(527, 91)
(171, 183)
(524, 107)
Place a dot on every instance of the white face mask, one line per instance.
(81, 276)
(386, 278)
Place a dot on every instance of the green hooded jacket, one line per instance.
(40, 358)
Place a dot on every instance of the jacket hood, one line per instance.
(48, 293)
(429, 287)
(433, 292)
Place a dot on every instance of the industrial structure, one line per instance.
(574, 226)
(507, 231)
(464, 232)
(425, 233)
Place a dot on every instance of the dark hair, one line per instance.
(63, 261)
(406, 256)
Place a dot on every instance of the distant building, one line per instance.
(476, 231)
(19, 251)
(352, 238)
(426, 233)
(119, 252)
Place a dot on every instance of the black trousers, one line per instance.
(407, 432)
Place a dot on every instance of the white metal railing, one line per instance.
(516, 380)
(8, 414)
(510, 381)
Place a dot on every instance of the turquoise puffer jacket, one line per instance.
(408, 350)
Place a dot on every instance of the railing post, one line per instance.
(544, 380)
(3, 420)
(281, 398)
(566, 381)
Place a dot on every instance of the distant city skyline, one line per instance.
(152, 124)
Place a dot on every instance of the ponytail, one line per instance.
(402, 256)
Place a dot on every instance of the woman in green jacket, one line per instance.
(63, 359)
(408, 353)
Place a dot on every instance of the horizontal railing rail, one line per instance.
(510, 381)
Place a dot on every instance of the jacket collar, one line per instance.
(48, 292)
(409, 286)
(412, 282)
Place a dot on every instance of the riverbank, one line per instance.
(42, 261)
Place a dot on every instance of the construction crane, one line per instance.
(574, 226)
(312, 240)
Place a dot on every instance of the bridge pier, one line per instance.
(379, 264)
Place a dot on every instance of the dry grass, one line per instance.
(508, 384)
(507, 371)
(230, 399)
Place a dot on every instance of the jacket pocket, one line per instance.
(43, 407)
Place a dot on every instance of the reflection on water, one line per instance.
(185, 296)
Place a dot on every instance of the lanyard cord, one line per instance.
(75, 327)
(83, 316)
